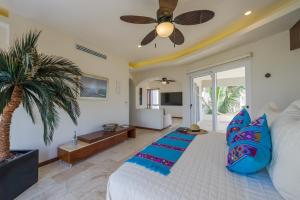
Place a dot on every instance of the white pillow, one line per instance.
(284, 169)
(271, 110)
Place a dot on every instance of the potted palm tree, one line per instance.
(37, 82)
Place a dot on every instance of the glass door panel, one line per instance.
(230, 96)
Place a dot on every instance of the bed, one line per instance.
(199, 174)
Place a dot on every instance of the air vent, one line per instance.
(90, 51)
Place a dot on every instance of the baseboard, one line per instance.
(47, 162)
(152, 129)
(146, 128)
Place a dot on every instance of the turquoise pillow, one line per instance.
(257, 131)
(241, 120)
(250, 148)
(247, 158)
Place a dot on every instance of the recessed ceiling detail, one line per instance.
(235, 27)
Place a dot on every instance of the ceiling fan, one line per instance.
(165, 21)
(165, 81)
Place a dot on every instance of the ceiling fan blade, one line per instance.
(168, 4)
(177, 37)
(149, 38)
(137, 19)
(171, 80)
(194, 17)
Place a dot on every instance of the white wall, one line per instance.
(25, 135)
(270, 54)
(4, 33)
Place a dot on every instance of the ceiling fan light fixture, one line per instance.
(165, 29)
(164, 82)
(165, 22)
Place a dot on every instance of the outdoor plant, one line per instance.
(38, 82)
(227, 99)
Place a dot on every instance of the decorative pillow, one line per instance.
(250, 148)
(246, 157)
(241, 120)
(257, 131)
(284, 169)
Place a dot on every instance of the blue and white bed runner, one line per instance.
(161, 155)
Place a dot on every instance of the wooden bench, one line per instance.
(93, 143)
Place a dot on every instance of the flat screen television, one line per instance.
(171, 99)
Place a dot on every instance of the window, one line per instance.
(153, 98)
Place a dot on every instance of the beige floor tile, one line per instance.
(87, 180)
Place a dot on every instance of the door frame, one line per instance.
(211, 71)
(200, 73)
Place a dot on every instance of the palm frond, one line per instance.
(233, 94)
(5, 97)
(24, 47)
(28, 104)
(48, 114)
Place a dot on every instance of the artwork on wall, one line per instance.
(94, 87)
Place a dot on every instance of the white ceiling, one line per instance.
(97, 21)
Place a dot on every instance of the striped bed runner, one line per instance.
(162, 154)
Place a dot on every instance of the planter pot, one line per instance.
(18, 174)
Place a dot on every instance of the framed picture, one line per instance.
(93, 87)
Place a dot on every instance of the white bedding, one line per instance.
(199, 174)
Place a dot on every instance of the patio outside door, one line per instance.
(218, 94)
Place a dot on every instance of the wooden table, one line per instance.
(93, 143)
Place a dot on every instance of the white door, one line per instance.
(218, 94)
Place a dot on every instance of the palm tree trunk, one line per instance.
(5, 122)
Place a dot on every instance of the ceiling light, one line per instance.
(248, 12)
(139, 46)
(165, 29)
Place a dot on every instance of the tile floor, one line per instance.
(87, 179)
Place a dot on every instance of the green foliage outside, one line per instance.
(227, 99)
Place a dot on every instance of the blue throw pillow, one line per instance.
(241, 120)
(257, 131)
(250, 149)
(247, 157)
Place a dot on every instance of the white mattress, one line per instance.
(200, 174)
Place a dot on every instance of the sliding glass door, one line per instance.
(218, 94)
(230, 96)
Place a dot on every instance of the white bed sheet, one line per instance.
(200, 174)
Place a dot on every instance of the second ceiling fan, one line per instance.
(165, 21)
